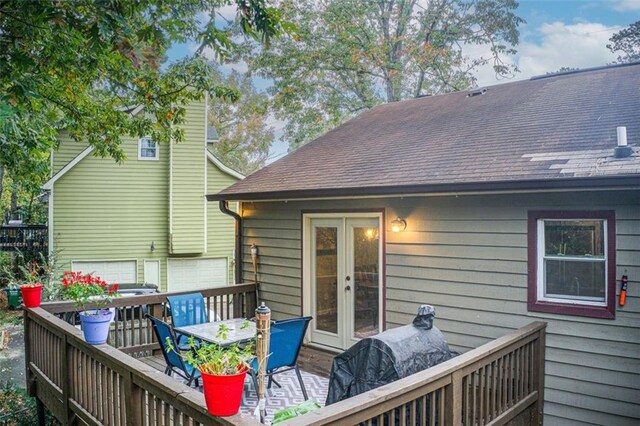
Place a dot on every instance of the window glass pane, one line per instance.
(366, 243)
(574, 279)
(574, 237)
(327, 279)
(147, 148)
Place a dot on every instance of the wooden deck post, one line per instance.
(133, 401)
(538, 411)
(453, 401)
(65, 361)
(26, 323)
(40, 412)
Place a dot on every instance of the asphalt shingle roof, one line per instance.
(534, 130)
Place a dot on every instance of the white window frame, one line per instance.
(541, 273)
(140, 157)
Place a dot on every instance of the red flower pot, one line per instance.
(223, 394)
(31, 295)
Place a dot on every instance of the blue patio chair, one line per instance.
(187, 309)
(175, 363)
(284, 348)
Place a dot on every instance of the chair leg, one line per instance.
(275, 382)
(167, 371)
(304, 390)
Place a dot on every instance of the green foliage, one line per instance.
(627, 41)
(19, 409)
(87, 289)
(20, 267)
(214, 359)
(350, 55)
(244, 135)
(285, 414)
(563, 69)
(83, 65)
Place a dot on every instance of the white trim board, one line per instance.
(222, 167)
(70, 165)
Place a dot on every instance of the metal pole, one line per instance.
(263, 331)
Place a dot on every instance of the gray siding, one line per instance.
(467, 256)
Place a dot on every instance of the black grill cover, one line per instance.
(388, 356)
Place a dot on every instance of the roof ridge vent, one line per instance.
(477, 92)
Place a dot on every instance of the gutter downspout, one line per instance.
(224, 208)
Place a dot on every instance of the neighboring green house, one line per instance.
(146, 220)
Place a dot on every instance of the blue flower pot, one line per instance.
(95, 325)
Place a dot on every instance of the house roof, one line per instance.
(556, 131)
(216, 162)
(212, 134)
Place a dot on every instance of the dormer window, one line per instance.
(147, 149)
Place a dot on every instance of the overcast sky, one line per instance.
(557, 33)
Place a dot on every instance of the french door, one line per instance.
(342, 282)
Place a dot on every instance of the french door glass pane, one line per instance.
(569, 279)
(327, 279)
(365, 269)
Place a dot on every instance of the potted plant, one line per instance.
(223, 371)
(32, 287)
(90, 289)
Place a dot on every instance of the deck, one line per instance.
(119, 383)
(315, 365)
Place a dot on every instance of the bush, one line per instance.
(19, 409)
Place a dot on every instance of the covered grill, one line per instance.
(388, 356)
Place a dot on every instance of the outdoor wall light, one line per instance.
(153, 246)
(398, 224)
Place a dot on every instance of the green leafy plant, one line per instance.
(214, 359)
(31, 274)
(32, 268)
(85, 289)
(19, 409)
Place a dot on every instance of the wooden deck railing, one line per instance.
(490, 385)
(105, 384)
(132, 333)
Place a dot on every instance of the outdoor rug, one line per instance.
(287, 396)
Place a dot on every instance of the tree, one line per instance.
(627, 41)
(349, 55)
(245, 137)
(80, 64)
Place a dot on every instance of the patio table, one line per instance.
(208, 331)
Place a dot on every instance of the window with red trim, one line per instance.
(572, 262)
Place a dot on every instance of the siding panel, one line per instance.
(467, 256)
(189, 185)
